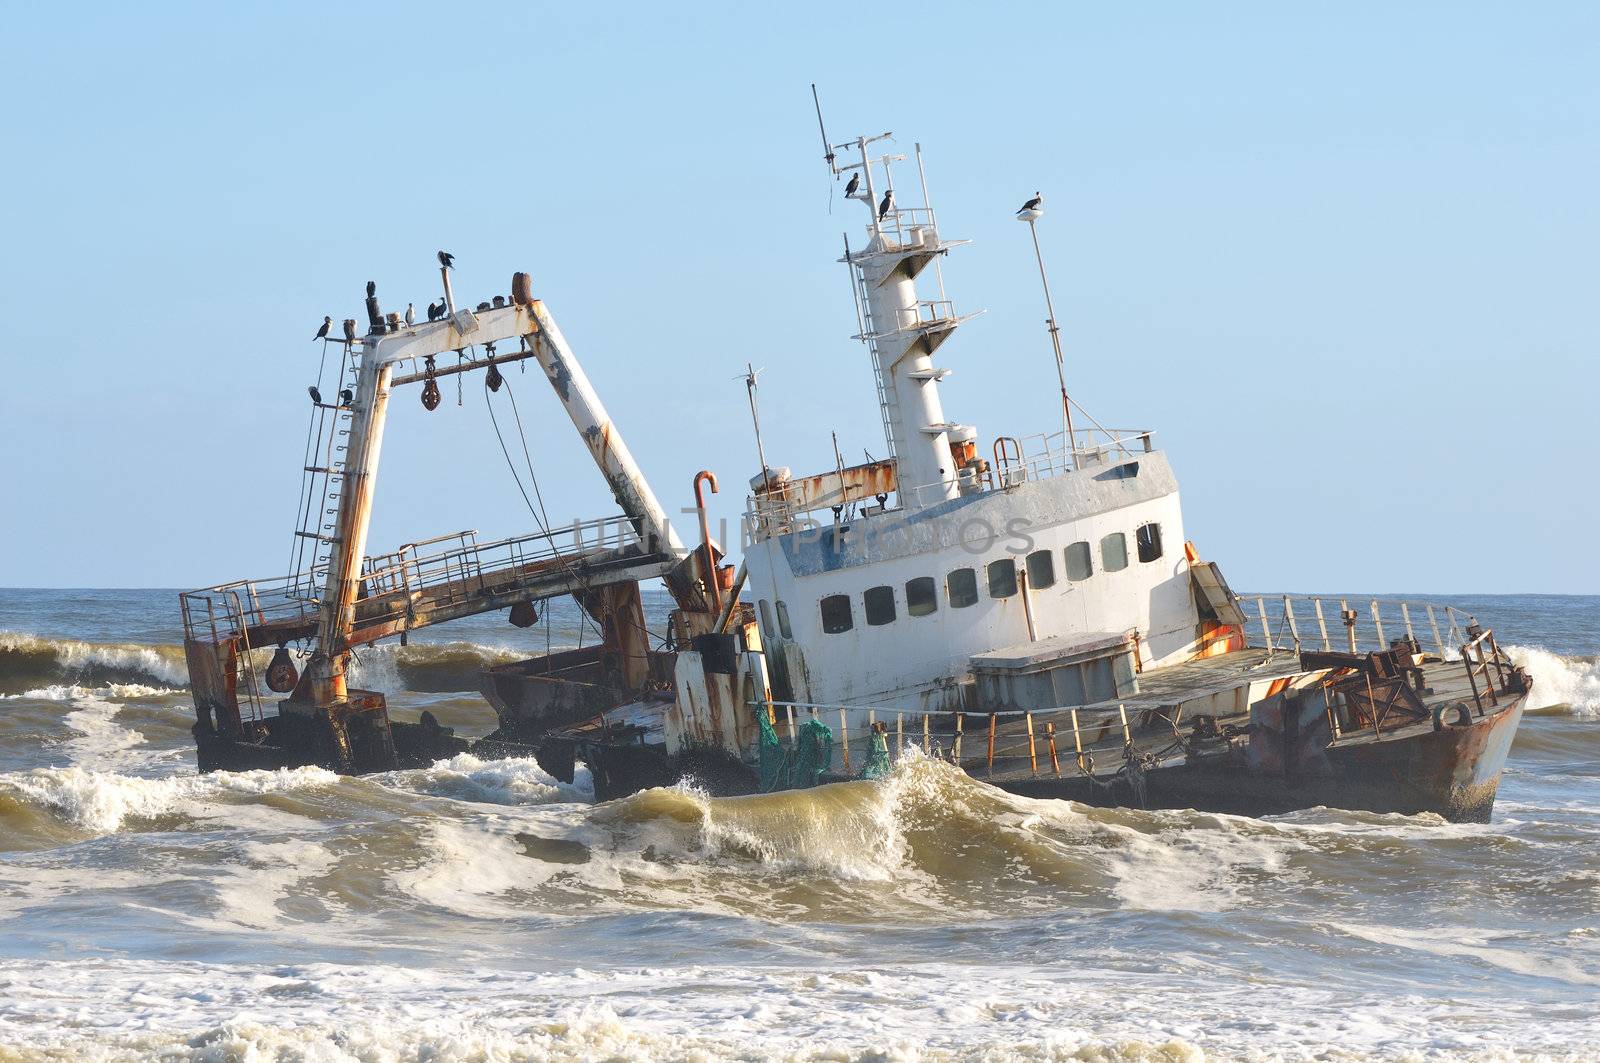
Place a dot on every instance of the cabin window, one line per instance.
(836, 617)
(922, 596)
(1113, 552)
(962, 586)
(783, 620)
(766, 619)
(1149, 539)
(1041, 570)
(1080, 563)
(879, 602)
(1002, 578)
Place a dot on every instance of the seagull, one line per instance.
(447, 260)
(411, 314)
(372, 289)
(316, 396)
(888, 201)
(855, 183)
(1033, 204)
(347, 396)
(322, 333)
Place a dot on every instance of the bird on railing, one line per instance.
(316, 396)
(436, 310)
(883, 207)
(855, 183)
(447, 260)
(1033, 204)
(322, 333)
(346, 397)
(411, 314)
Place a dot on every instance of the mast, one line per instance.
(1032, 216)
(903, 330)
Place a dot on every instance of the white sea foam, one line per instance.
(100, 801)
(512, 781)
(375, 1013)
(1558, 680)
(111, 691)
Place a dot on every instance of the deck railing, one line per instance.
(1290, 623)
(1015, 460)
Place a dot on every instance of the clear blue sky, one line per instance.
(1342, 257)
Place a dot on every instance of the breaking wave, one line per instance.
(30, 665)
(101, 802)
(1560, 684)
(28, 662)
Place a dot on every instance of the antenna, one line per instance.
(1030, 213)
(755, 419)
(827, 148)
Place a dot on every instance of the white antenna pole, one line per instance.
(1055, 339)
(755, 419)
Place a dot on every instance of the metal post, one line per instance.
(1077, 742)
(992, 720)
(899, 735)
(1438, 642)
(1033, 752)
(603, 439)
(1288, 614)
(1055, 343)
(1377, 622)
(1266, 632)
(1050, 741)
(844, 737)
(1405, 614)
(1322, 623)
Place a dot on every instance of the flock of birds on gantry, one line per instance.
(436, 311)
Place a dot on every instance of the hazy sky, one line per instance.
(1341, 257)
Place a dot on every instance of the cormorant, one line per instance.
(435, 311)
(372, 289)
(1033, 204)
(888, 201)
(322, 333)
(411, 314)
(447, 260)
(855, 183)
(316, 396)
(347, 396)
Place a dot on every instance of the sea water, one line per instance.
(481, 910)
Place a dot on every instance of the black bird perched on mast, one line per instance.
(1033, 204)
(888, 201)
(372, 289)
(322, 333)
(316, 396)
(347, 396)
(447, 260)
(855, 183)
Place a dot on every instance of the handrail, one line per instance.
(259, 602)
(1293, 622)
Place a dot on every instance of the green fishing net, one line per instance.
(802, 763)
(877, 765)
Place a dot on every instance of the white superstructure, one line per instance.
(896, 582)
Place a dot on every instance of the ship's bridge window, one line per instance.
(766, 619)
(962, 586)
(836, 615)
(783, 620)
(879, 603)
(1002, 578)
(1080, 562)
(922, 596)
(1041, 570)
(1148, 536)
(1113, 552)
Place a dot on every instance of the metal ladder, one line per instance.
(886, 405)
(323, 486)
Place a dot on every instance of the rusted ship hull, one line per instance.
(1453, 772)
